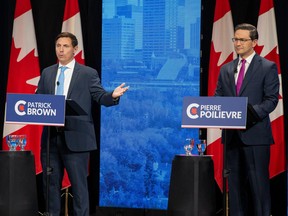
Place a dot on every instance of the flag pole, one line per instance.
(66, 201)
(226, 173)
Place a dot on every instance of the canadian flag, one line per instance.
(268, 48)
(23, 75)
(72, 23)
(220, 53)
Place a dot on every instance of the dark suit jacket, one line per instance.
(84, 89)
(261, 86)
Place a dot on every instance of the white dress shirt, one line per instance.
(248, 61)
(68, 75)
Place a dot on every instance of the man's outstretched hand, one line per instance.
(120, 90)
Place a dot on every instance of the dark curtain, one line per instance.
(48, 15)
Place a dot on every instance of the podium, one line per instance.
(18, 194)
(192, 187)
(216, 112)
(38, 109)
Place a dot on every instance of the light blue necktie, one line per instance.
(60, 82)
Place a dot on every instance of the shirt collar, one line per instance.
(248, 59)
(70, 65)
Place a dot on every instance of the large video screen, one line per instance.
(154, 47)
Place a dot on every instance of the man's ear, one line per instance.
(255, 42)
(75, 49)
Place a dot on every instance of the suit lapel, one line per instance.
(250, 73)
(231, 75)
(73, 79)
(53, 79)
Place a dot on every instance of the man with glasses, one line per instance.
(248, 151)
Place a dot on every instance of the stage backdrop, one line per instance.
(154, 47)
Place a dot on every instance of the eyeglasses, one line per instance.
(241, 40)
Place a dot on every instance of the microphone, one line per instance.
(58, 83)
(235, 70)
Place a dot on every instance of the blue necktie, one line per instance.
(60, 82)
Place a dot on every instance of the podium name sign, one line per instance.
(214, 112)
(38, 109)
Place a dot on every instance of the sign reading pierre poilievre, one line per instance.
(214, 112)
(38, 109)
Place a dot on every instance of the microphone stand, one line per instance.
(48, 172)
(225, 171)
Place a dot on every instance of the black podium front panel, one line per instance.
(18, 195)
(192, 187)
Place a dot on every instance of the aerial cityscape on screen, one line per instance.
(154, 47)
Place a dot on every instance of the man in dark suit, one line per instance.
(248, 151)
(70, 145)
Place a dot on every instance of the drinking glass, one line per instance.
(12, 142)
(189, 146)
(22, 142)
(201, 146)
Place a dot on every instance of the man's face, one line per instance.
(244, 45)
(64, 50)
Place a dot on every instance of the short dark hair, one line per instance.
(252, 29)
(69, 35)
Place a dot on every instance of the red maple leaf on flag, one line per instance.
(23, 74)
(268, 48)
